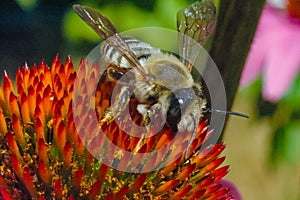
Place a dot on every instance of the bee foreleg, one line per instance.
(120, 102)
(143, 109)
(192, 137)
(155, 113)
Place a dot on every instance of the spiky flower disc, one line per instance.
(43, 156)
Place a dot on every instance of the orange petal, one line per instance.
(14, 107)
(25, 113)
(12, 145)
(3, 125)
(18, 130)
(39, 129)
(42, 151)
(165, 187)
(61, 137)
(186, 172)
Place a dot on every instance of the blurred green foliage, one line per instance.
(283, 117)
(124, 15)
(27, 5)
(286, 126)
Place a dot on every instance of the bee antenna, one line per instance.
(227, 112)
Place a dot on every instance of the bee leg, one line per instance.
(118, 106)
(143, 109)
(192, 138)
(154, 113)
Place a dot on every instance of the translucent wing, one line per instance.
(104, 28)
(196, 22)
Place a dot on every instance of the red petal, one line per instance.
(136, 186)
(5, 194)
(16, 166)
(3, 183)
(67, 156)
(44, 172)
(31, 100)
(58, 189)
(181, 194)
(7, 86)
(121, 193)
(78, 177)
(28, 180)
(95, 190)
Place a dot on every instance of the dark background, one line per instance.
(36, 34)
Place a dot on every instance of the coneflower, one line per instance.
(43, 155)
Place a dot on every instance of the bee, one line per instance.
(159, 81)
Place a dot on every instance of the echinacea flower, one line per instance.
(43, 156)
(275, 51)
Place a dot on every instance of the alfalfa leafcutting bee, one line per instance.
(160, 81)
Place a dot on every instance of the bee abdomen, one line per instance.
(142, 50)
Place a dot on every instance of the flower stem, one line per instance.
(237, 22)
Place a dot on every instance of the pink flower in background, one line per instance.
(233, 191)
(275, 52)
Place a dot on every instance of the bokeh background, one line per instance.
(263, 151)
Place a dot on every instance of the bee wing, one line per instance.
(196, 22)
(104, 28)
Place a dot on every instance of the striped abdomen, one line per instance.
(142, 50)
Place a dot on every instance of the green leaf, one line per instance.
(286, 143)
(292, 142)
(292, 98)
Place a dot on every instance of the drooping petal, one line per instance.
(275, 50)
(233, 191)
(254, 64)
(265, 34)
(282, 64)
